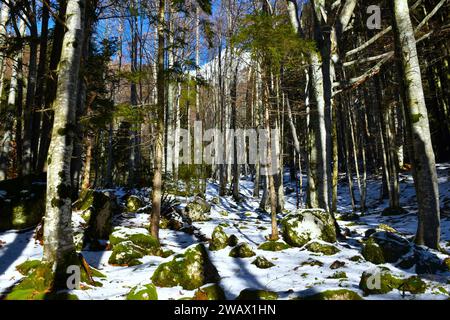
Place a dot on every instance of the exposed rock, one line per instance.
(209, 292)
(262, 263)
(338, 275)
(233, 240)
(326, 249)
(22, 202)
(242, 250)
(424, 260)
(143, 292)
(101, 211)
(301, 226)
(254, 294)
(311, 262)
(219, 239)
(190, 270)
(341, 294)
(337, 264)
(198, 209)
(393, 211)
(273, 246)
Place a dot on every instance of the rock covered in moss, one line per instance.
(341, 294)
(242, 250)
(380, 281)
(143, 292)
(384, 246)
(126, 253)
(22, 202)
(219, 239)
(338, 275)
(190, 270)
(254, 294)
(133, 203)
(337, 264)
(446, 263)
(40, 281)
(129, 245)
(233, 240)
(262, 263)
(304, 225)
(320, 247)
(198, 209)
(312, 262)
(273, 246)
(209, 292)
(100, 215)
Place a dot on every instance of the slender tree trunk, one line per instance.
(4, 15)
(157, 176)
(58, 238)
(424, 168)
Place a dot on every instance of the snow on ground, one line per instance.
(289, 277)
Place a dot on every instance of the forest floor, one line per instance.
(289, 278)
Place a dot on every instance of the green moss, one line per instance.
(219, 239)
(414, 285)
(209, 292)
(262, 263)
(242, 250)
(372, 252)
(223, 213)
(253, 294)
(273, 246)
(342, 294)
(85, 201)
(325, 249)
(134, 203)
(386, 228)
(28, 266)
(356, 259)
(145, 292)
(311, 262)
(190, 270)
(380, 281)
(126, 253)
(447, 263)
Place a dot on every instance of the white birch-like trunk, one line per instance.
(58, 238)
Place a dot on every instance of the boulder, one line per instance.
(191, 270)
(384, 246)
(133, 203)
(219, 239)
(242, 250)
(209, 292)
(341, 294)
(319, 247)
(273, 246)
(100, 215)
(304, 225)
(143, 292)
(198, 209)
(22, 202)
(262, 263)
(254, 294)
(126, 253)
(233, 240)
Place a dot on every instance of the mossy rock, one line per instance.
(85, 200)
(223, 213)
(22, 203)
(341, 294)
(273, 246)
(254, 294)
(242, 250)
(126, 253)
(198, 209)
(134, 203)
(356, 259)
(209, 292)
(40, 281)
(233, 240)
(191, 270)
(338, 275)
(372, 252)
(326, 249)
(384, 246)
(304, 225)
(143, 292)
(215, 200)
(143, 240)
(262, 263)
(414, 285)
(387, 228)
(99, 216)
(379, 281)
(446, 263)
(219, 239)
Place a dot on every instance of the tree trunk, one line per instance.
(58, 237)
(424, 168)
